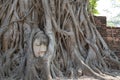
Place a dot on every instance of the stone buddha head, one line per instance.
(40, 44)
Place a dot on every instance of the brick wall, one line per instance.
(110, 34)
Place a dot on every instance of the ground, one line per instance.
(92, 78)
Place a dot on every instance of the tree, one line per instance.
(92, 7)
(50, 39)
(111, 12)
(115, 19)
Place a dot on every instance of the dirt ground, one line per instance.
(107, 78)
(92, 78)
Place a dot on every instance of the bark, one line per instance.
(74, 46)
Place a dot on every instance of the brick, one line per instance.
(111, 35)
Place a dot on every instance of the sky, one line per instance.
(106, 8)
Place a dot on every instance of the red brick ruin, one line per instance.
(110, 34)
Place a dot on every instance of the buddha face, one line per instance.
(40, 45)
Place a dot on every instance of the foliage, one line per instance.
(115, 20)
(113, 13)
(92, 7)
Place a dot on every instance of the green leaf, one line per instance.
(92, 7)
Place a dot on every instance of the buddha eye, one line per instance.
(43, 43)
(37, 45)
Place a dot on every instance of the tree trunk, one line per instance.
(51, 39)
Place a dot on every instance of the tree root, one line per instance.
(74, 49)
